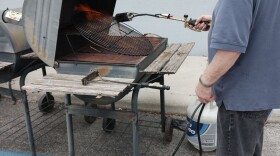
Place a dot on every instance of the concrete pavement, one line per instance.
(90, 140)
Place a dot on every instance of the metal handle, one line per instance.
(155, 86)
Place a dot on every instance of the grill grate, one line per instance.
(105, 32)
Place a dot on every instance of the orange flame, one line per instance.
(90, 13)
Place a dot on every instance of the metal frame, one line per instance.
(142, 78)
(114, 114)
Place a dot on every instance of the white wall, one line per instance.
(173, 30)
(4, 4)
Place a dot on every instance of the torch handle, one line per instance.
(192, 22)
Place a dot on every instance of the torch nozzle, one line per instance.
(124, 17)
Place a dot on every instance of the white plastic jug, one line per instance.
(208, 126)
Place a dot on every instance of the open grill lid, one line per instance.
(42, 20)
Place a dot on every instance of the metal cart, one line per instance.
(167, 63)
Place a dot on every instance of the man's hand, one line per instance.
(200, 25)
(204, 93)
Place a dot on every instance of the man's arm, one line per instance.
(221, 63)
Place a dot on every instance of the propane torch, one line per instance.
(128, 16)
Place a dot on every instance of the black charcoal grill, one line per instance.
(61, 35)
(71, 52)
(80, 37)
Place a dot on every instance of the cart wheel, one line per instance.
(46, 103)
(168, 129)
(89, 119)
(108, 124)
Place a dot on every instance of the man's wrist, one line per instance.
(204, 84)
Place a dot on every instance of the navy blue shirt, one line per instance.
(251, 27)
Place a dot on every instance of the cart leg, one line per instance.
(71, 150)
(135, 126)
(11, 92)
(44, 72)
(162, 105)
(26, 107)
(28, 124)
(113, 106)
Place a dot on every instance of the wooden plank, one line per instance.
(67, 90)
(76, 85)
(5, 64)
(164, 57)
(177, 59)
(78, 78)
(71, 84)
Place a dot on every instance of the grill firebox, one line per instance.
(52, 35)
(51, 31)
(89, 58)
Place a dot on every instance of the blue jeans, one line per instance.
(240, 133)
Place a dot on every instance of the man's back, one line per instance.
(250, 27)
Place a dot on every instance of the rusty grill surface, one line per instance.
(95, 54)
(103, 58)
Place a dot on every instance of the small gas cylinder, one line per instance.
(208, 126)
